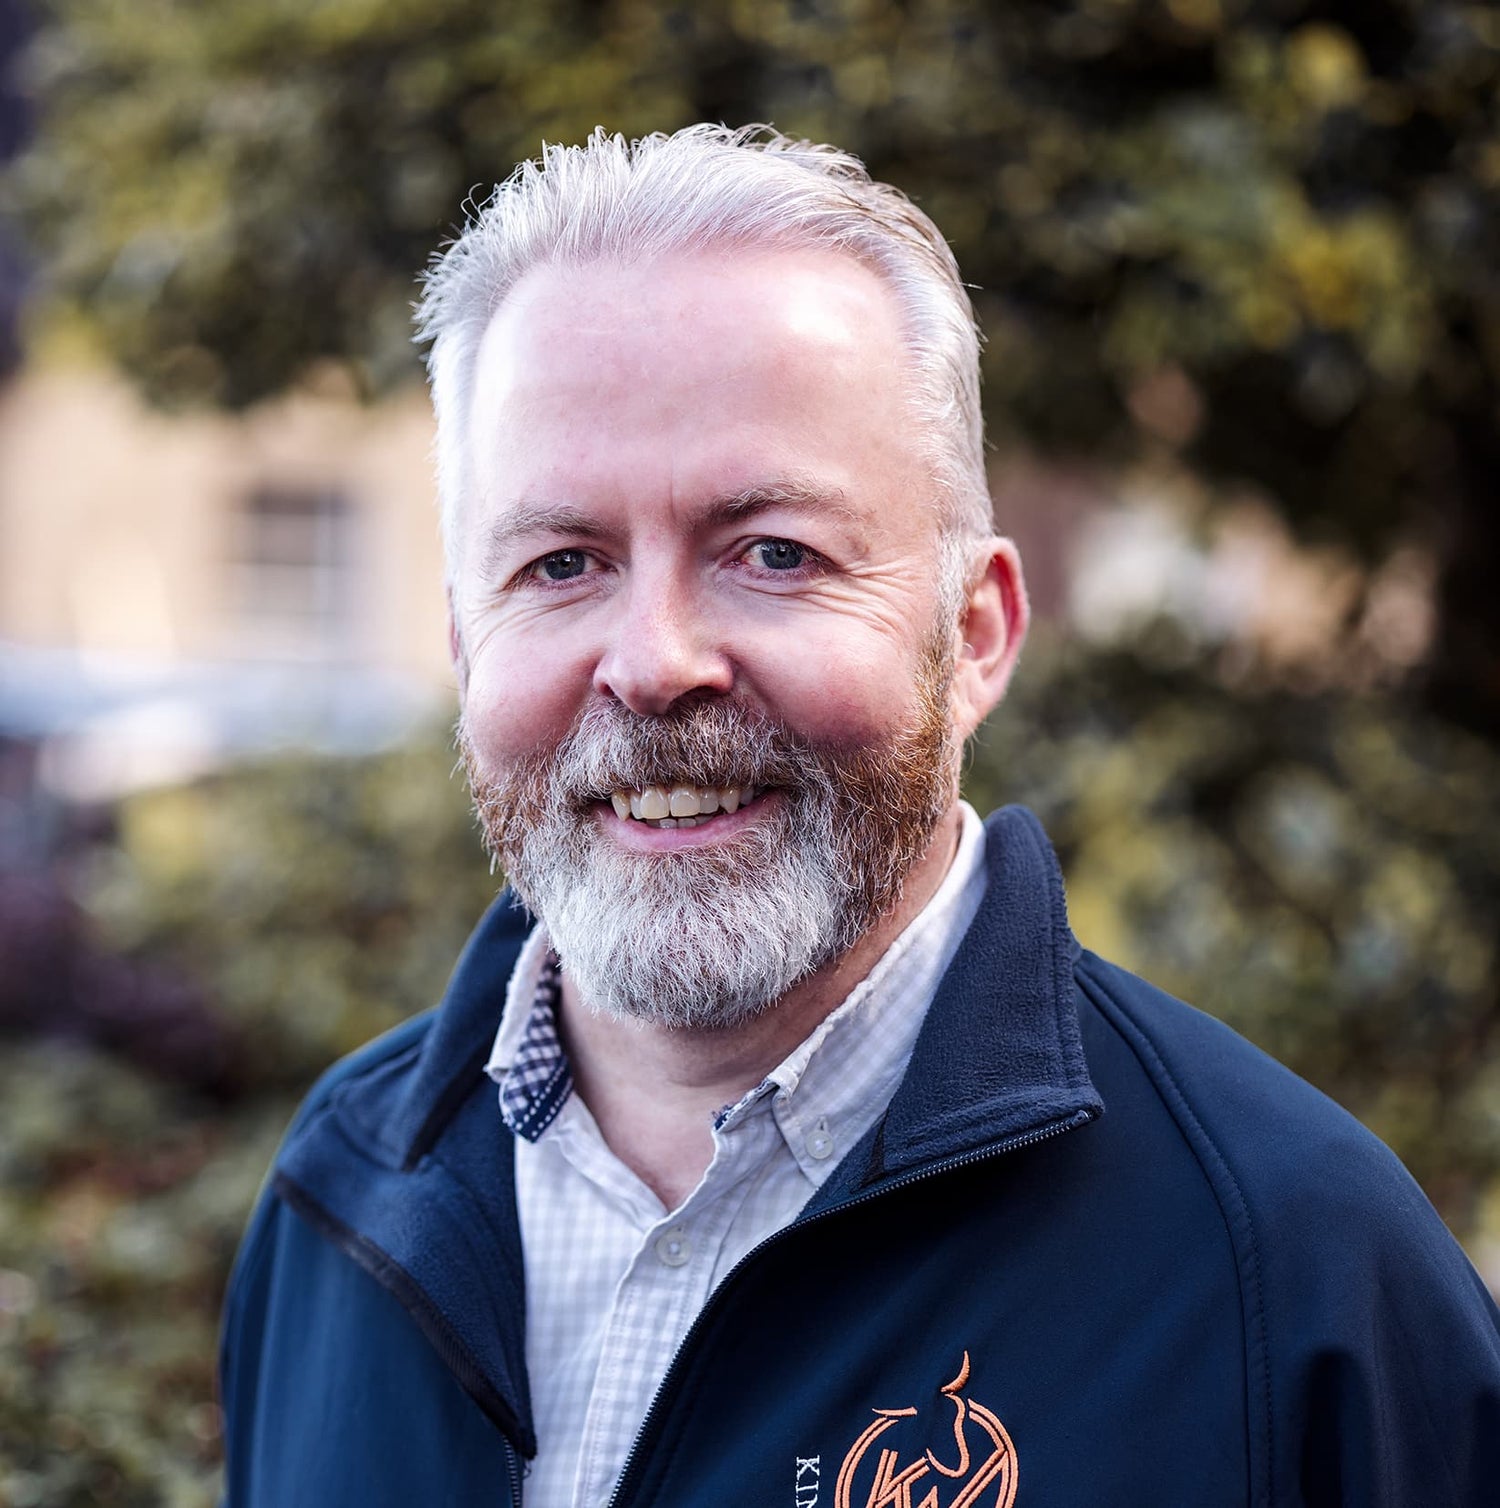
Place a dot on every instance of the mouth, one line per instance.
(680, 805)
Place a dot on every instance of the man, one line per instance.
(796, 1157)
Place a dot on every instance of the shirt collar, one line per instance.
(539, 1080)
(848, 1065)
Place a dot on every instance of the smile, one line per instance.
(679, 805)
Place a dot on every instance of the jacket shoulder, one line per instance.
(390, 1051)
(1372, 1346)
(1273, 1132)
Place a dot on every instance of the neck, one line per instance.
(654, 1090)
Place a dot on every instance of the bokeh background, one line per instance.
(1239, 266)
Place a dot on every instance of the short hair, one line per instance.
(709, 187)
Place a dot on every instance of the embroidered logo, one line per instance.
(809, 1470)
(986, 1460)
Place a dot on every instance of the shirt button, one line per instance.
(820, 1140)
(673, 1247)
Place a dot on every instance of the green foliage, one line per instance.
(320, 902)
(235, 190)
(121, 1203)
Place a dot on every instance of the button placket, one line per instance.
(648, 1300)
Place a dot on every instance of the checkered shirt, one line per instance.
(613, 1278)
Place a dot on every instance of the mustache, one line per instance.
(714, 743)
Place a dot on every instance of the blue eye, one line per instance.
(562, 565)
(780, 554)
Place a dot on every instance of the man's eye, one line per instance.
(779, 554)
(561, 565)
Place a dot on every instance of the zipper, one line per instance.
(513, 1470)
(949, 1165)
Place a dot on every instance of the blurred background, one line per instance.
(1238, 262)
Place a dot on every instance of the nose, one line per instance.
(661, 649)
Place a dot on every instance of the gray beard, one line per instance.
(711, 937)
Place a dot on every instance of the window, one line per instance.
(292, 569)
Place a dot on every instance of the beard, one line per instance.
(710, 936)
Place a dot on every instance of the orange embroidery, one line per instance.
(972, 1474)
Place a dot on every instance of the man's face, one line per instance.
(701, 554)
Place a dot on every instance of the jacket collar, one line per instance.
(999, 1059)
(1003, 1055)
(402, 1161)
(411, 1161)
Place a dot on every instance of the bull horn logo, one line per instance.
(962, 1484)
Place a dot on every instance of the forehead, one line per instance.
(705, 365)
(759, 306)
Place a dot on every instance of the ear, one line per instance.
(456, 649)
(991, 627)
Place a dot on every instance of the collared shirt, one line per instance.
(613, 1278)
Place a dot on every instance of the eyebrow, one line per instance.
(795, 494)
(528, 520)
(531, 519)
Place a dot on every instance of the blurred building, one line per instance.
(175, 590)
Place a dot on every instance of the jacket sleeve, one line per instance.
(1390, 1378)
(1372, 1348)
(241, 1342)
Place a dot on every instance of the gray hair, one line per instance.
(710, 186)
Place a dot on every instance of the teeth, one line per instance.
(679, 805)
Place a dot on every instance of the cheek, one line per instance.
(513, 709)
(851, 693)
